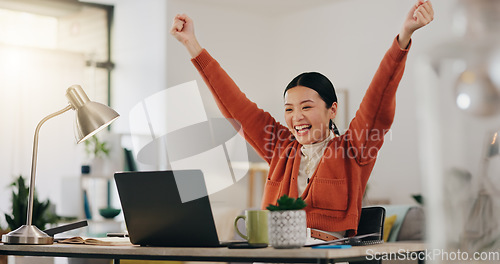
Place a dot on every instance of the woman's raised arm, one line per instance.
(420, 15)
(183, 30)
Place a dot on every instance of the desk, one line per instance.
(302, 255)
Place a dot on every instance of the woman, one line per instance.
(306, 159)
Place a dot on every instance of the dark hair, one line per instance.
(319, 83)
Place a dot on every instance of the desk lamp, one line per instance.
(91, 117)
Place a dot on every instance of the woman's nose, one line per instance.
(297, 116)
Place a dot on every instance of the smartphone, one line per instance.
(245, 244)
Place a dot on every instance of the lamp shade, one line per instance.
(476, 93)
(90, 116)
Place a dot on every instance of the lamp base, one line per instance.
(29, 235)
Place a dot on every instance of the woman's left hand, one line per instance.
(419, 16)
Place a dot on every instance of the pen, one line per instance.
(117, 235)
(332, 246)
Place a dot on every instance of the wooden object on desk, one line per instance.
(3, 258)
(256, 168)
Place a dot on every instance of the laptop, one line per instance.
(167, 208)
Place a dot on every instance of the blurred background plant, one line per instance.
(96, 148)
(418, 198)
(42, 215)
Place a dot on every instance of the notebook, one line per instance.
(167, 208)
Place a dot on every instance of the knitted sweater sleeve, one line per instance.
(376, 112)
(260, 129)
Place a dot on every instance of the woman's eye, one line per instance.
(288, 110)
(306, 107)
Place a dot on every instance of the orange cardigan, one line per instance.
(335, 190)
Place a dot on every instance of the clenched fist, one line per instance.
(420, 15)
(183, 30)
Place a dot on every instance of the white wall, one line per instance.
(139, 53)
(242, 41)
(238, 39)
(263, 49)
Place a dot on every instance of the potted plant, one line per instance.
(97, 151)
(287, 223)
(101, 165)
(41, 213)
(96, 148)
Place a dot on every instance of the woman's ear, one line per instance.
(333, 110)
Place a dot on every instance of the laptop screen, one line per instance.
(167, 208)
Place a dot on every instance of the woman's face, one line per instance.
(306, 115)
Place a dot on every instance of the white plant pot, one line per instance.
(287, 229)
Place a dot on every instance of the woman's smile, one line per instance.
(306, 115)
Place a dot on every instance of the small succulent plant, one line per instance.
(287, 203)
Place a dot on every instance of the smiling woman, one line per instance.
(308, 116)
(314, 95)
(306, 159)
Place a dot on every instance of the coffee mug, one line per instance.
(256, 226)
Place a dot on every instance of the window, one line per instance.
(45, 47)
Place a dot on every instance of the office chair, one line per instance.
(371, 221)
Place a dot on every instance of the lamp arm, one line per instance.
(33, 162)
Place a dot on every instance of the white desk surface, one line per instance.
(210, 254)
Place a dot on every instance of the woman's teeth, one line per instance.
(302, 127)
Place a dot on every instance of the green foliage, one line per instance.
(41, 214)
(287, 203)
(418, 198)
(96, 148)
